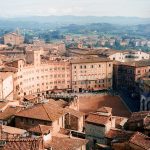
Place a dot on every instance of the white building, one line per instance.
(125, 56)
(6, 86)
(98, 124)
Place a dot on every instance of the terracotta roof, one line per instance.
(138, 116)
(4, 75)
(3, 104)
(141, 63)
(90, 60)
(97, 119)
(62, 103)
(114, 133)
(30, 97)
(58, 103)
(105, 110)
(119, 120)
(8, 69)
(64, 131)
(108, 52)
(140, 140)
(147, 122)
(43, 112)
(11, 130)
(24, 144)
(42, 129)
(9, 112)
(75, 113)
(66, 143)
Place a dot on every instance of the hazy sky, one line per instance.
(11, 8)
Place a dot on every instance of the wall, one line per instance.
(6, 88)
(58, 124)
(92, 76)
(25, 123)
(41, 78)
(13, 39)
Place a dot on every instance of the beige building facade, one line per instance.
(13, 39)
(36, 75)
(91, 74)
(6, 86)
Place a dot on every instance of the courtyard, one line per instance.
(91, 102)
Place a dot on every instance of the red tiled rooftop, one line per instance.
(138, 116)
(66, 143)
(75, 113)
(11, 130)
(42, 112)
(97, 119)
(30, 97)
(42, 129)
(140, 140)
(9, 112)
(23, 144)
(117, 133)
(105, 109)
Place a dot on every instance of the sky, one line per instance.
(128, 8)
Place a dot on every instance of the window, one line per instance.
(32, 122)
(26, 120)
(45, 123)
(74, 67)
(21, 119)
(139, 71)
(80, 67)
(92, 66)
(138, 124)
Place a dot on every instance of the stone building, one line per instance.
(144, 85)
(91, 74)
(126, 75)
(74, 120)
(139, 121)
(6, 86)
(13, 39)
(97, 125)
(124, 56)
(35, 75)
(44, 114)
(38, 75)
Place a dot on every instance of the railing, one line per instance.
(64, 96)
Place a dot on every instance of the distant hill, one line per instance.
(80, 20)
(106, 28)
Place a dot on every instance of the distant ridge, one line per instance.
(81, 20)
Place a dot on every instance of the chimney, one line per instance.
(70, 135)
